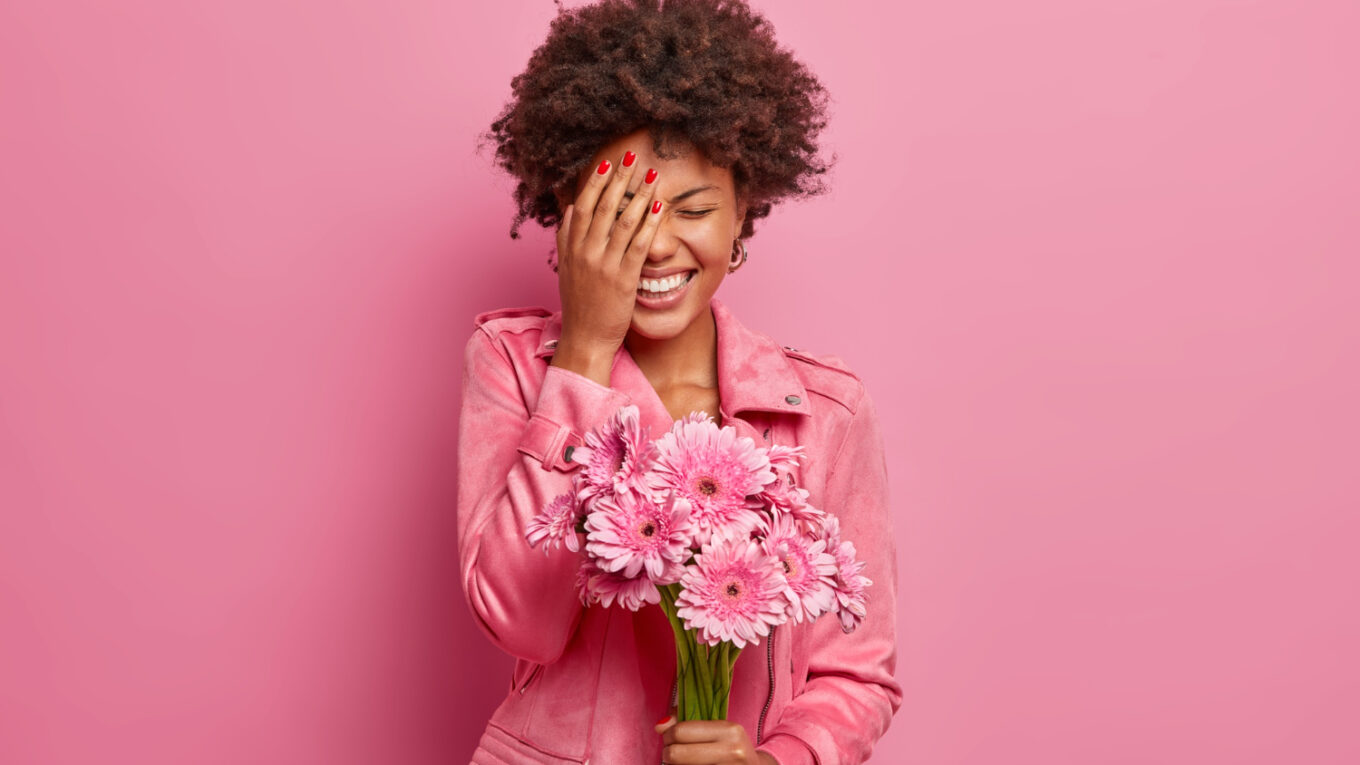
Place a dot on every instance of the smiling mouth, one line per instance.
(664, 287)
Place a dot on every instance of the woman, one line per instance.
(652, 138)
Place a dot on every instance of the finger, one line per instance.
(607, 208)
(665, 723)
(641, 243)
(564, 234)
(701, 731)
(697, 754)
(627, 224)
(586, 199)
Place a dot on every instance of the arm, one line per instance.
(510, 464)
(851, 695)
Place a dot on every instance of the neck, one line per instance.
(690, 358)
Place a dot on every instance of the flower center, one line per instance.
(647, 529)
(618, 461)
(707, 486)
(733, 589)
(787, 568)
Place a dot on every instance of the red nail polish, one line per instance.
(663, 720)
(656, 207)
(628, 158)
(604, 167)
(651, 176)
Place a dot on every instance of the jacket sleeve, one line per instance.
(511, 463)
(851, 694)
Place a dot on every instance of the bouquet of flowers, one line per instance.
(710, 526)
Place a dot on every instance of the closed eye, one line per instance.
(628, 197)
(686, 213)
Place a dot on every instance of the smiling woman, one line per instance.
(651, 137)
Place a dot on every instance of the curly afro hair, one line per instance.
(706, 72)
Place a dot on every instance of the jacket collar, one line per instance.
(754, 373)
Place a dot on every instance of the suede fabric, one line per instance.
(589, 684)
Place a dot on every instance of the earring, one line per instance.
(737, 247)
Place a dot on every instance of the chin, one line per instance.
(664, 325)
(654, 328)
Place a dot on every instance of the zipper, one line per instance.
(674, 689)
(769, 661)
(533, 673)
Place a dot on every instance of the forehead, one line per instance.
(683, 163)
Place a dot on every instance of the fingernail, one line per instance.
(664, 720)
(628, 158)
(604, 167)
(651, 176)
(656, 207)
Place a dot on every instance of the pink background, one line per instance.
(1097, 263)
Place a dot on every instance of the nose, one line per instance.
(664, 242)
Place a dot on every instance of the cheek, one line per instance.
(711, 243)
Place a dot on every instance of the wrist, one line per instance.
(594, 361)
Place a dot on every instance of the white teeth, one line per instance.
(662, 285)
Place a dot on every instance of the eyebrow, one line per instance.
(678, 197)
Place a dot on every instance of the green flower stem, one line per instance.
(688, 700)
(715, 670)
(703, 672)
(682, 653)
(719, 678)
(729, 659)
(691, 680)
(705, 665)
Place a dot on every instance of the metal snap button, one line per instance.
(793, 399)
(767, 434)
(566, 455)
(550, 344)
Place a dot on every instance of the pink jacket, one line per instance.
(589, 684)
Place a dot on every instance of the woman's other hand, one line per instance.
(600, 251)
(708, 742)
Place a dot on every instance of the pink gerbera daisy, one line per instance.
(716, 470)
(615, 456)
(783, 498)
(733, 591)
(555, 524)
(849, 583)
(850, 586)
(783, 458)
(809, 569)
(595, 585)
(583, 574)
(628, 533)
(696, 417)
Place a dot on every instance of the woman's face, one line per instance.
(701, 218)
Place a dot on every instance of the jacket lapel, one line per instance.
(754, 373)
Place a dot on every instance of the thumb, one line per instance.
(666, 722)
